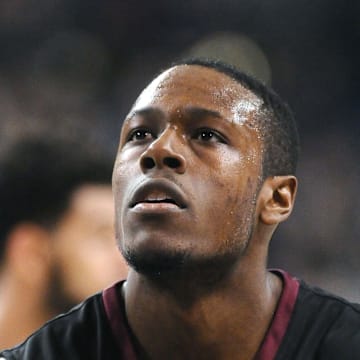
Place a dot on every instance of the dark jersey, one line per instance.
(309, 323)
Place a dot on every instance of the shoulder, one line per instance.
(326, 305)
(323, 325)
(66, 335)
(341, 319)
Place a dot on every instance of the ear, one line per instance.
(27, 253)
(277, 197)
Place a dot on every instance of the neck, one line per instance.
(217, 317)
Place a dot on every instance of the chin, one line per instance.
(155, 262)
(180, 264)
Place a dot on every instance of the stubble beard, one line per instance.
(181, 262)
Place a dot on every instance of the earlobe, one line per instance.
(277, 199)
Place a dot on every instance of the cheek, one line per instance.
(126, 161)
(121, 182)
(226, 203)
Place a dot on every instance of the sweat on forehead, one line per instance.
(193, 85)
(246, 98)
(277, 126)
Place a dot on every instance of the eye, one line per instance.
(139, 135)
(209, 135)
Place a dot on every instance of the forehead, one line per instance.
(197, 86)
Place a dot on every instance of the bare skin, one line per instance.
(187, 186)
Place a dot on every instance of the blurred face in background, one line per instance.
(84, 255)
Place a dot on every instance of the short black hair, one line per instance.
(38, 177)
(281, 138)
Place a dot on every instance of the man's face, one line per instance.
(85, 257)
(187, 171)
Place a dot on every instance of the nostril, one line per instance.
(172, 162)
(148, 163)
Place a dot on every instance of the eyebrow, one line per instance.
(198, 112)
(192, 111)
(147, 112)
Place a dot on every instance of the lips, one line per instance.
(158, 191)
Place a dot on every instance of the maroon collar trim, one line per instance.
(285, 308)
(115, 312)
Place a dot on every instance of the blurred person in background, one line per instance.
(56, 237)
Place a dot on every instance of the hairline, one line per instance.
(273, 107)
(265, 109)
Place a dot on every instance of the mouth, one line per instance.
(158, 194)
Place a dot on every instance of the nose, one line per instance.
(164, 152)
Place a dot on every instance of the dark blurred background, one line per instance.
(74, 67)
